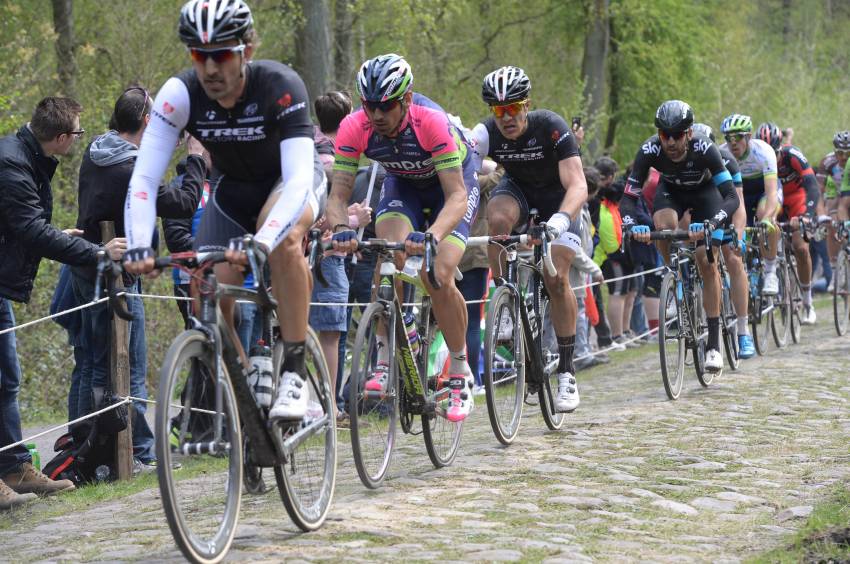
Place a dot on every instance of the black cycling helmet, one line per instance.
(505, 85)
(841, 141)
(703, 129)
(214, 21)
(384, 78)
(674, 116)
(770, 134)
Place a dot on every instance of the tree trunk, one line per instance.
(614, 95)
(344, 65)
(313, 51)
(786, 23)
(593, 65)
(66, 61)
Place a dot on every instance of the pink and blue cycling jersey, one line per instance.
(427, 142)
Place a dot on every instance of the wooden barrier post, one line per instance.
(119, 373)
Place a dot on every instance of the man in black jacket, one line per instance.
(104, 176)
(27, 165)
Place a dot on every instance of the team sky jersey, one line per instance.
(427, 142)
(244, 141)
(758, 163)
(732, 166)
(267, 135)
(532, 159)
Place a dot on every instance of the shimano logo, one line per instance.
(651, 149)
(256, 132)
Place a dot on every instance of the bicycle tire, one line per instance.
(548, 388)
(504, 386)
(698, 348)
(840, 297)
(795, 300)
(441, 436)
(729, 328)
(307, 499)
(193, 346)
(760, 323)
(367, 414)
(780, 328)
(671, 342)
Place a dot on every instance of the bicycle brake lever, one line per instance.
(316, 256)
(708, 242)
(429, 260)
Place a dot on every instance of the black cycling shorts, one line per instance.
(703, 203)
(652, 284)
(617, 269)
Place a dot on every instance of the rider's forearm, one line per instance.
(343, 186)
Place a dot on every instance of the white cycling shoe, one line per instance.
(568, 398)
(771, 284)
(291, 402)
(713, 361)
(809, 316)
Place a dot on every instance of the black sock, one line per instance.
(566, 345)
(293, 359)
(713, 334)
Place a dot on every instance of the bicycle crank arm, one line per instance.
(288, 446)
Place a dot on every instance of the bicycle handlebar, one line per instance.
(524, 239)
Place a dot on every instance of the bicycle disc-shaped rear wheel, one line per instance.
(671, 341)
(306, 481)
(549, 387)
(780, 324)
(442, 437)
(504, 365)
(373, 414)
(840, 295)
(201, 500)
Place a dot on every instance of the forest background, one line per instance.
(610, 61)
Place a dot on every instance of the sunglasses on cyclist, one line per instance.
(385, 106)
(736, 137)
(675, 135)
(220, 56)
(841, 153)
(510, 109)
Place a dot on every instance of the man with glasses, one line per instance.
(27, 164)
(800, 197)
(543, 170)
(762, 197)
(830, 175)
(253, 118)
(693, 178)
(428, 169)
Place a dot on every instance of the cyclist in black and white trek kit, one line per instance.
(543, 170)
(253, 118)
(693, 177)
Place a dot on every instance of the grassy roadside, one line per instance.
(824, 538)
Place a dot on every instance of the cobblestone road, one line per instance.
(721, 474)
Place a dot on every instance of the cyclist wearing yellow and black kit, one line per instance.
(762, 197)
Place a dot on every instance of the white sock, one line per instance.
(457, 362)
(743, 325)
(383, 350)
(769, 265)
(807, 294)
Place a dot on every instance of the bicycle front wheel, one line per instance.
(373, 414)
(761, 314)
(549, 351)
(306, 481)
(699, 326)
(729, 328)
(201, 500)
(504, 365)
(780, 322)
(795, 301)
(671, 341)
(840, 297)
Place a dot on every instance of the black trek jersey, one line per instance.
(532, 159)
(244, 141)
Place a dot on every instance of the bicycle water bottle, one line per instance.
(260, 378)
(412, 333)
(413, 265)
(36, 458)
(532, 315)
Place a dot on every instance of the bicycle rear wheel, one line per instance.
(729, 327)
(373, 415)
(780, 322)
(795, 300)
(504, 365)
(671, 342)
(699, 341)
(202, 505)
(549, 351)
(840, 296)
(442, 437)
(306, 481)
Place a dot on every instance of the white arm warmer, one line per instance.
(168, 118)
(296, 171)
(480, 144)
